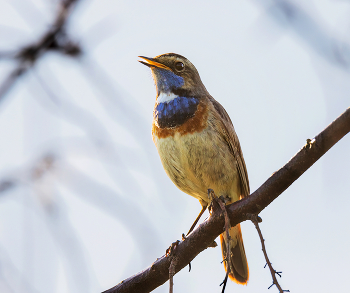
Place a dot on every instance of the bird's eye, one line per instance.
(179, 66)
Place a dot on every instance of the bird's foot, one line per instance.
(214, 206)
(212, 199)
(171, 249)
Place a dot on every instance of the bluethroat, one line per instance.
(198, 145)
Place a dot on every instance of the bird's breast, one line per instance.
(175, 112)
(196, 157)
(181, 115)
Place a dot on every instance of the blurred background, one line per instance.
(84, 200)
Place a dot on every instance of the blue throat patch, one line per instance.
(175, 112)
(167, 80)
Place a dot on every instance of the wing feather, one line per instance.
(228, 132)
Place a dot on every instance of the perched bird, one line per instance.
(198, 145)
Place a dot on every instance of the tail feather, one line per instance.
(239, 266)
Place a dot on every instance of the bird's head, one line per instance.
(174, 74)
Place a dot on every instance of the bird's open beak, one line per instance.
(151, 63)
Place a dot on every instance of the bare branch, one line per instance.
(255, 219)
(55, 39)
(205, 234)
(11, 79)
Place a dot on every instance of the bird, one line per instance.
(198, 146)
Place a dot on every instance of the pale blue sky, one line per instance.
(107, 209)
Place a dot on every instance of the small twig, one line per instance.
(212, 195)
(228, 246)
(224, 282)
(170, 252)
(172, 273)
(256, 220)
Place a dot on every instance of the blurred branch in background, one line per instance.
(52, 171)
(315, 34)
(55, 39)
(36, 178)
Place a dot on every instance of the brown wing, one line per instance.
(231, 138)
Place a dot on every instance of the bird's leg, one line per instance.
(197, 219)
